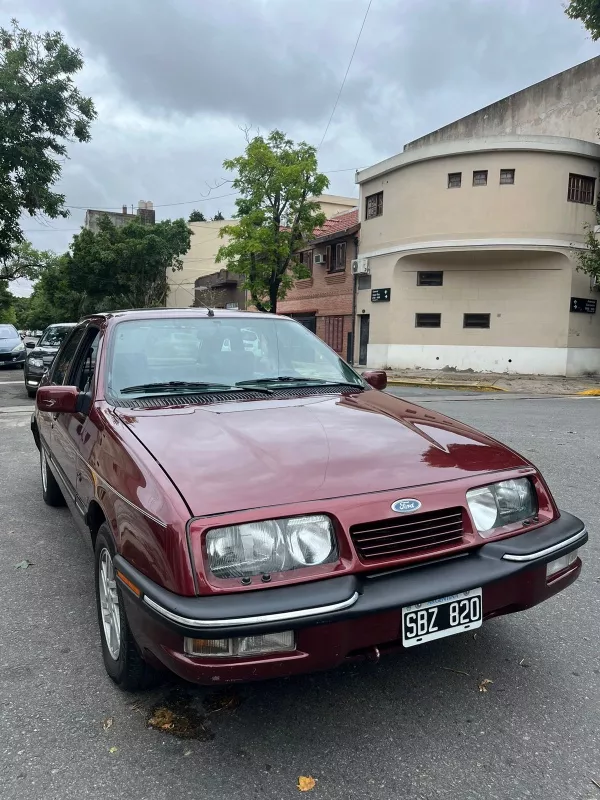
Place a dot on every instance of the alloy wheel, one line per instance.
(109, 604)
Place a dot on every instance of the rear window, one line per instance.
(8, 332)
(54, 336)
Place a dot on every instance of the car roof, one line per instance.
(61, 325)
(183, 313)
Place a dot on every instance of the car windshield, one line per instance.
(53, 336)
(8, 332)
(147, 355)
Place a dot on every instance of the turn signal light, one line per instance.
(241, 647)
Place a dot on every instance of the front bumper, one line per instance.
(10, 359)
(341, 616)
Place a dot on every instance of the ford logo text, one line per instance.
(406, 505)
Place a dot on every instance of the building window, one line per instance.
(374, 205)
(334, 333)
(430, 278)
(454, 180)
(306, 259)
(507, 176)
(338, 257)
(581, 189)
(476, 321)
(480, 177)
(364, 282)
(428, 320)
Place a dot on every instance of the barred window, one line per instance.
(476, 321)
(428, 320)
(338, 257)
(374, 205)
(507, 176)
(480, 177)
(581, 189)
(454, 180)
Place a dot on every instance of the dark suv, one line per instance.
(42, 355)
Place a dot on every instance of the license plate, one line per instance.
(435, 619)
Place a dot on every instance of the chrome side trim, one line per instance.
(283, 616)
(124, 499)
(548, 550)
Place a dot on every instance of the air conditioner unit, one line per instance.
(360, 266)
(319, 259)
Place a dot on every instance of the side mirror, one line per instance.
(30, 345)
(376, 378)
(57, 399)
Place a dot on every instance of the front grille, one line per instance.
(8, 356)
(419, 533)
(206, 398)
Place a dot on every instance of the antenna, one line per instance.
(211, 313)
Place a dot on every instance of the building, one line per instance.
(563, 105)
(200, 260)
(145, 212)
(324, 301)
(222, 289)
(473, 247)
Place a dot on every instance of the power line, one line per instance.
(346, 75)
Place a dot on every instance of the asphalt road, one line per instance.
(414, 726)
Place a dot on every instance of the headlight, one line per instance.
(19, 348)
(278, 545)
(35, 362)
(501, 504)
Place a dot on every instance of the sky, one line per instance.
(175, 82)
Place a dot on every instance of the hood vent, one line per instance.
(209, 398)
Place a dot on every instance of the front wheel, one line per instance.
(31, 392)
(51, 491)
(122, 658)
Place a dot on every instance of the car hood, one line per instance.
(7, 345)
(242, 455)
(40, 352)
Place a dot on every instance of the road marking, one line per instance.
(17, 409)
(11, 383)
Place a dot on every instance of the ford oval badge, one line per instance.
(406, 505)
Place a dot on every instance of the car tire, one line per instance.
(122, 658)
(51, 491)
(31, 392)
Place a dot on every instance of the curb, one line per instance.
(480, 387)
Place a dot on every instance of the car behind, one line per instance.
(41, 355)
(12, 349)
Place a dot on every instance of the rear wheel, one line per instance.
(122, 658)
(51, 491)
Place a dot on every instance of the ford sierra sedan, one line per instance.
(267, 511)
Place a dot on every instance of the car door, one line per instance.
(62, 446)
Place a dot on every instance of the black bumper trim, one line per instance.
(351, 596)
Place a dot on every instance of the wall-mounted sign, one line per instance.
(582, 305)
(380, 295)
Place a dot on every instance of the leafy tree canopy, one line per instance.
(218, 217)
(587, 12)
(41, 110)
(197, 216)
(278, 181)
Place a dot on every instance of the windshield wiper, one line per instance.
(176, 386)
(298, 379)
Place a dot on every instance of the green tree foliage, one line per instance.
(21, 309)
(41, 110)
(218, 217)
(587, 12)
(589, 259)
(197, 216)
(25, 262)
(125, 267)
(7, 310)
(277, 181)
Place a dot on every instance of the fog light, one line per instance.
(242, 646)
(562, 563)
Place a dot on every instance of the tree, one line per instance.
(25, 262)
(587, 12)
(278, 181)
(197, 216)
(589, 259)
(7, 310)
(41, 110)
(125, 267)
(21, 308)
(218, 217)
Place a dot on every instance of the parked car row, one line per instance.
(259, 509)
(41, 355)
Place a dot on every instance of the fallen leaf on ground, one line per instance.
(306, 783)
(108, 722)
(484, 684)
(163, 719)
(24, 564)
(188, 753)
(221, 700)
(112, 749)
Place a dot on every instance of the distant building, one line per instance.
(200, 261)
(145, 212)
(323, 302)
(220, 289)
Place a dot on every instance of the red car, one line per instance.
(259, 509)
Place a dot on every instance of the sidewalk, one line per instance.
(488, 381)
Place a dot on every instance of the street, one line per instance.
(418, 725)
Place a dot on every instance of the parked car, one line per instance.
(250, 521)
(12, 349)
(41, 355)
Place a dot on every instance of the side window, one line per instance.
(84, 366)
(64, 359)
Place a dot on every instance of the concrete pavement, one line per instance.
(415, 726)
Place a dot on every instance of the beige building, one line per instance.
(477, 242)
(145, 213)
(200, 258)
